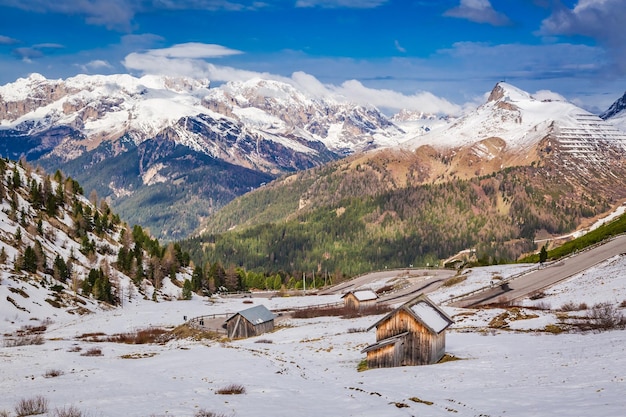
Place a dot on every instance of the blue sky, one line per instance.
(438, 55)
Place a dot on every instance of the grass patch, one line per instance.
(362, 366)
(142, 337)
(553, 328)
(53, 373)
(138, 355)
(31, 406)
(205, 413)
(92, 352)
(448, 358)
(19, 291)
(454, 281)
(185, 331)
(343, 312)
(70, 411)
(420, 401)
(232, 389)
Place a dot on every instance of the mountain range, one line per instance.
(135, 140)
(168, 153)
(517, 169)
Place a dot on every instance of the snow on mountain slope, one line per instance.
(616, 113)
(100, 108)
(522, 120)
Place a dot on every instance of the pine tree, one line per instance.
(543, 254)
(187, 290)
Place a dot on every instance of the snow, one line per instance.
(430, 316)
(308, 366)
(521, 120)
(365, 295)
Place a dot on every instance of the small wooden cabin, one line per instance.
(250, 322)
(358, 300)
(412, 334)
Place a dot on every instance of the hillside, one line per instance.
(76, 254)
(494, 181)
(511, 361)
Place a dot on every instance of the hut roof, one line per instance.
(255, 315)
(384, 342)
(363, 295)
(423, 310)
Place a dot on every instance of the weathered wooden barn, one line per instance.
(412, 334)
(250, 322)
(358, 300)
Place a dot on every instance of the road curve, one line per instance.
(547, 276)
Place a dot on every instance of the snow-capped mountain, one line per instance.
(266, 125)
(616, 114)
(130, 138)
(521, 120)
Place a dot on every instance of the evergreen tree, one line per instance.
(29, 260)
(197, 278)
(543, 254)
(187, 290)
(61, 270)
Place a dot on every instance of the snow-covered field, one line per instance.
(308, 367)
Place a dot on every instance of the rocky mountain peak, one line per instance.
(507, 92)
(616, 108)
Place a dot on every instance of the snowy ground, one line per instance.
(308, 367)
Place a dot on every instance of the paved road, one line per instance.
(419, 280)
(546, 276)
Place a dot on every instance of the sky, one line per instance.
(427, 55)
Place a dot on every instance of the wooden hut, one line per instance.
(412, 334)
(250, 322)
(358, 300)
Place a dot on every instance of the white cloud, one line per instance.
(98, 63)
(118, 14)
(478, 11)
(393, 100)
(547, 95)
(602, 20)
(5, 40)
(189, 60)
(194, 50)
(399, 47)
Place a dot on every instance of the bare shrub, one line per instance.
(92, 337)
(343, 311)
(31, 406)
(25, 340)
(232, 389)
(536, 295)
(141, 337)
(53, 373)
(605, 316)
(570, 306)
(356, 330)
(92, 352)
(623, 304)
(454, 281)
(70, 411)
(542, 305)
(75, 348)
(205, 413)
(4, 413)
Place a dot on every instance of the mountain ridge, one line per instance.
(520, 175)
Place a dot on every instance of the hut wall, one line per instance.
(386, 357)
(350, 301)
(420, 347)
(238, 327)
